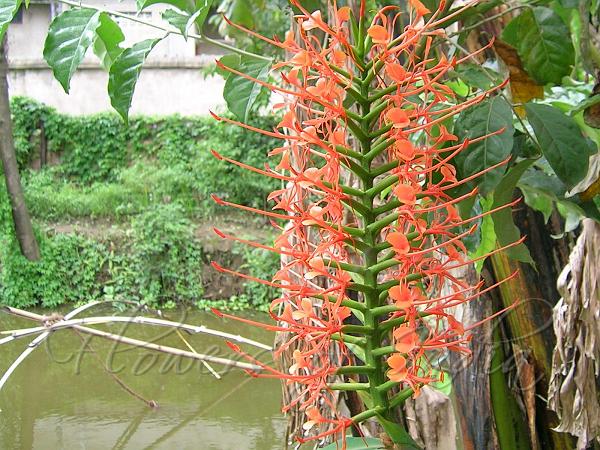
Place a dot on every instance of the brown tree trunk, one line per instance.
(21, 218)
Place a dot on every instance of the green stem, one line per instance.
(349, 339)
(354, 370)
(349, 386)
(357, 329)
(510, 423)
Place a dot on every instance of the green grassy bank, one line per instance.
(124, 212)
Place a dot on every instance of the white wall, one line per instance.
(171, 80)
(158, 92)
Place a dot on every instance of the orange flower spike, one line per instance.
(321, 246)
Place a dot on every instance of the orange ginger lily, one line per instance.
(371, 102)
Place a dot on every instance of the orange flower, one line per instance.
(338, 137)
(305, 311)
(318, 268)
(402, 295)
(302, 58)
(399, 242)
(398, 370)
(405, 149)
(315, 21)
(300, 362)
(379, 34)
(396, 72)
(398, 117)
(343, 14)
(405, 339)
(419, 7)
(406, 194)
(314, 418)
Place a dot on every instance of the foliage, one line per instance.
(158, 174)
(550, 141)
(165, 257)
(99, 148)
(275, 17)
(68, 271)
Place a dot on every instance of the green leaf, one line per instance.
(539, 200)
(178, 20)
(510, 34)
(109, 37)
(572, 214)
(124, 74)
(242, 12)
(562, 142)
(488, 236)
(504, 226)
(543, 42)
(366, 399)
(523, 146)
(240, 93)
(476, 76)
(197, 12)
(489, 116)
(445, 386)
(569, 3)
(8, 9)
(358, 351)
(459, 87)
(397, 433)
(182, 5)
(69, 37)
(232, 61)
(201, 13)
(356, 443)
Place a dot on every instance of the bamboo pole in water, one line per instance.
(59, 322)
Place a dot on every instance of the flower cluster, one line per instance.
(361, 98)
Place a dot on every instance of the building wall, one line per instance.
(171, 80)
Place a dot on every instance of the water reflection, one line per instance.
(74, 403)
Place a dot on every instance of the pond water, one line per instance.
(62, 398)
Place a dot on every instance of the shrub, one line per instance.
(165, 257)
(67, 271)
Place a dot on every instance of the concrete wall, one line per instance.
(171, 80)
